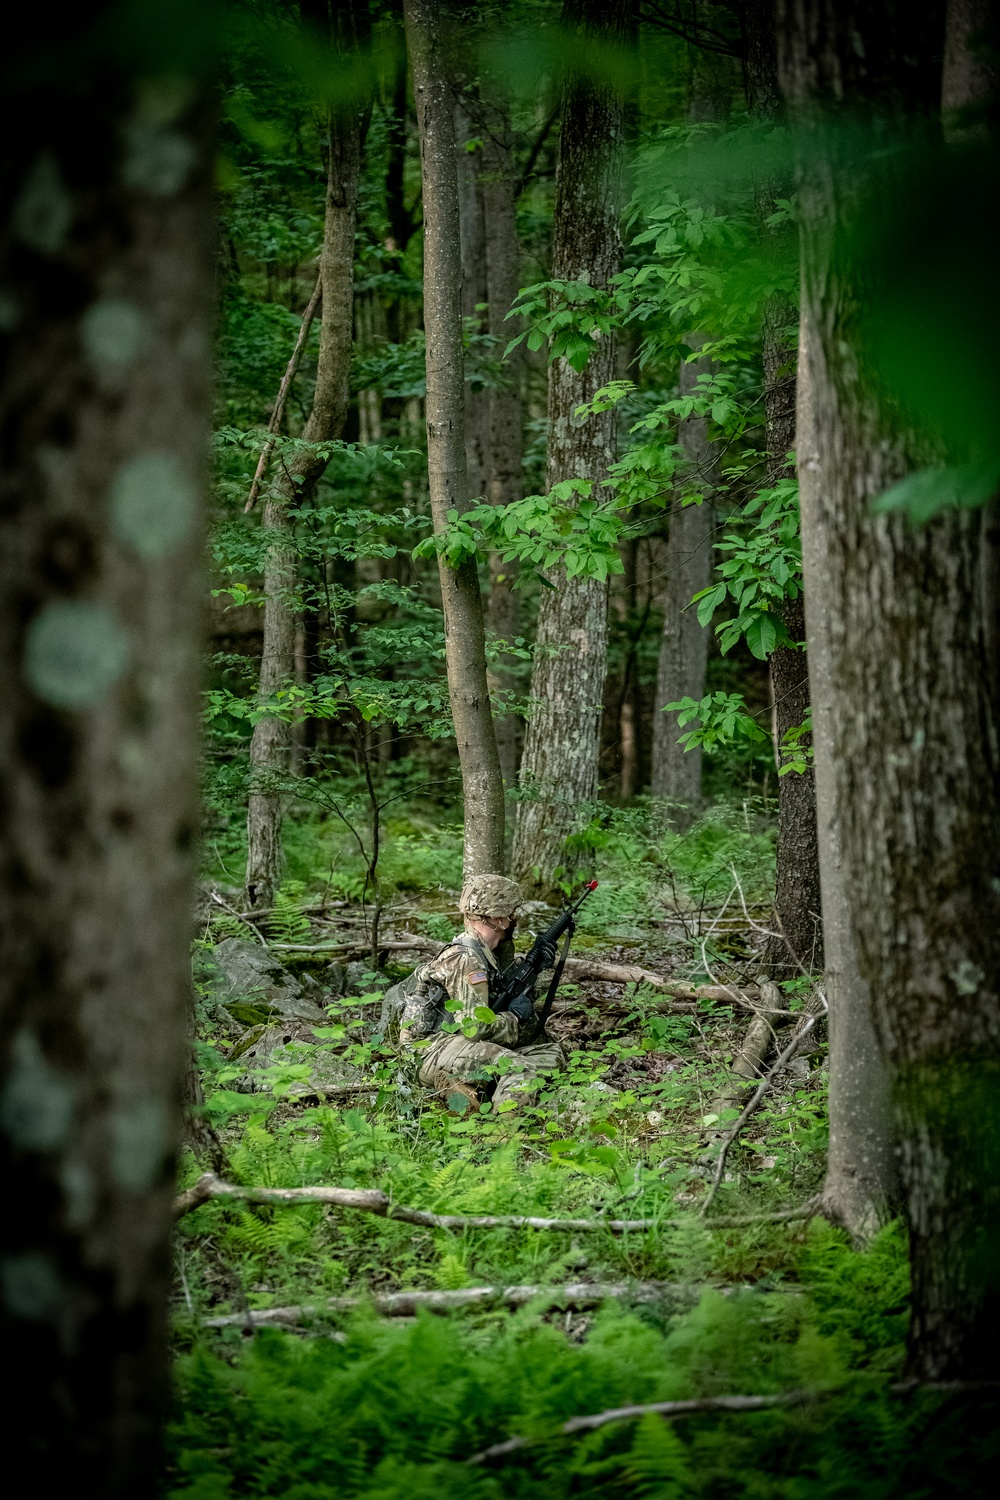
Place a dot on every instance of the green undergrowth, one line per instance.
(395, 1410)
(649, 873)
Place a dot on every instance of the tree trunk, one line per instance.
(270, 745)
(917, 779)
(105, 390)
(506, 420)
(465, 643)
(676, 772)
(861, 1186)
(474, 294)
(797, 944)
(562, 744)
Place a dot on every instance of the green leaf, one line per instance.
(761, 636)
(923, 496)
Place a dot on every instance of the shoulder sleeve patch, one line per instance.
(479, 977)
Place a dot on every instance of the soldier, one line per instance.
(461, 972)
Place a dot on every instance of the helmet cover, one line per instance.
(491, 896)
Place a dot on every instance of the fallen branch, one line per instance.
(656, 1408)
(406, 1304)
(374, 1201)
(751, 1106)
(240, 916)
(698, 1404)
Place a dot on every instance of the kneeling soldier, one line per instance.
(461, 973)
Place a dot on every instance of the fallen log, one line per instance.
(576, 968)
(374, 1201)
(406, 1304)
(656, 1408)
(692, 1407)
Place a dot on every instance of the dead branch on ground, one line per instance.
(656, 1408)
(374, 1201)
(751, 1106)
(406, 1304)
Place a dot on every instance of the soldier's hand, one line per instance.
(548, 955)
(522, 1007)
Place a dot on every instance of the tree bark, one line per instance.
(917, 779)
(474, 292)
(270, 745)
(562, 744)
(105, 391)
(465, 643)
(861, 1187)
(676, 772)
(797, 944)
(505, 448)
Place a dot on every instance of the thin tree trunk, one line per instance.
(798, 942)
(465, 643)
(917, 778)
(676, 772)
(861, 1186)
(562, 744)
(105, 392)
(506, 419)
(270, 745)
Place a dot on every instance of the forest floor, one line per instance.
(302, 1372)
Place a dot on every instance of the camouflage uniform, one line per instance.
(462, 972)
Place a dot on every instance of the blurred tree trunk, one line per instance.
(465, 643)
(676, 772)
(916, 773)
(105, 391)
(562, 743)
(346, 24)
(474, 291)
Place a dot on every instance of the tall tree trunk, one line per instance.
(861, 1186)
(676, 772)
(465, 643)
(474, 293)
(917, 779)
(562, 744)
(798, 942)
(270, 745)
(105, 392)
(506, 418)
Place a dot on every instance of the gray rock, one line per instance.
(240, 971)
(335, 979)
(268, 1046)
(355, 981)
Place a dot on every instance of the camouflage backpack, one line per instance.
(421, 999)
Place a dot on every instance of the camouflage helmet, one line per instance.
(491, 896)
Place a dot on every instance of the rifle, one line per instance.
(519, 977)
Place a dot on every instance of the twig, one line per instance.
(657, 1408)
(374, 1201)
(405, 1304)
(274, 424)
(239, 917)
(749, 1108)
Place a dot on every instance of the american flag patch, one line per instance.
(478, 978)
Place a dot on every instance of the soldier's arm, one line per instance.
(468, 983)
(420, 1016)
